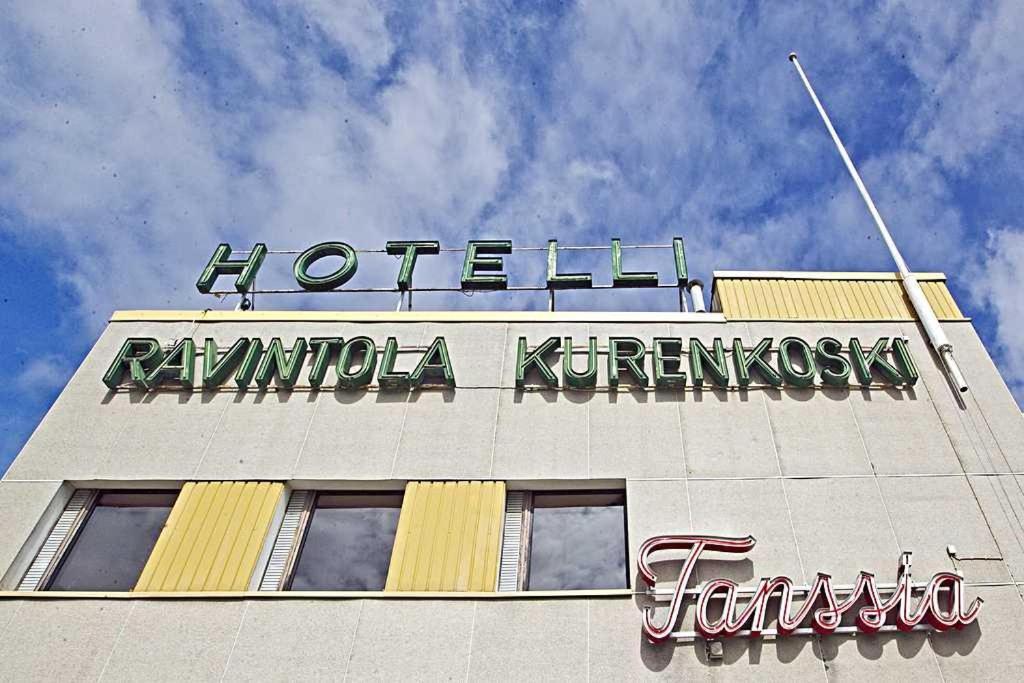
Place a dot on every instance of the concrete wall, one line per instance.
(826, 480)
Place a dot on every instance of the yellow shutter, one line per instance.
(212, 538)
(841, 297)
(449, 537)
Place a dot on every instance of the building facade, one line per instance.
(275, 495)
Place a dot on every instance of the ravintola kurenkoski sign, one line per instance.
(357, 362)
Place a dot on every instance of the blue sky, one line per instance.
(136, 136)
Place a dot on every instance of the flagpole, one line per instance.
(943, 347)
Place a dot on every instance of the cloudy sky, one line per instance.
(136, 136)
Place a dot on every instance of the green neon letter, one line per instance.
(626, 352)
(387, 378)
(863, 363)
(668, 350)
(179, 364)
(216, 369)
(744, 362)
(536, 359)
(474, 263)
(680, 254)
(798, 378)
(569, 280)
(347, 379)
(247, 368)
(409, 251)
(137, 354)
(906, 361)
(221, 264)
(621, 279)
(286, 366)
(435, 367)
(323, 349)
(701, 358)
(573, 379)
(327, 282)
(834, 368)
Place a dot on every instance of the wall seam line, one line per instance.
(497, 402)
(117, 639)
(405, 416)
(782, 483)
(469, 650)
(935, 657)
(305, 438)
(874, 478)
(978, 446)
(355, 635)
(7, 624)
(234, 642)
(209, 441)
(588, 642)
(686, 471)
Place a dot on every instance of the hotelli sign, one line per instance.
(482, 267)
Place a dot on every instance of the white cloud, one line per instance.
(43, 374)
(996, 284)
(121, 150)
(976, 102)
(358, 25)
(141, 141)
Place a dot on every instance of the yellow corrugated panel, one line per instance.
(787, 299)
(822, 305)
(212, 538)
(855, 295)
(891, 293)
(448, 537)
(941, 300)
(818, 298)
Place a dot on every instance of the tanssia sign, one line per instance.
(666, 362)
(940, 605)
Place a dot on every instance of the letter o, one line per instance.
(804, 378)
(327, 282)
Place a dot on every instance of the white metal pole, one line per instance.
(943, 347)
(696, 288)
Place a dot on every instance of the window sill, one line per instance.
(316, 595)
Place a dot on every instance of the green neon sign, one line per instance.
(669, 363)
(142, 363)
(792, 362)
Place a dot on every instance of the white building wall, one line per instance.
(826, 480)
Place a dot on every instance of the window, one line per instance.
(346, 542)
(111, 539)
(572, 540)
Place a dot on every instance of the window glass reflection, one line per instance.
(348, 542)
(578, 541)
(111, 549)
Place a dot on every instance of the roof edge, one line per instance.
(216, 316)
(817, 275)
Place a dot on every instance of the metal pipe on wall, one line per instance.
(696, 288)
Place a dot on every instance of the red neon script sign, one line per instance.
(941, 606)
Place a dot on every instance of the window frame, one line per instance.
(74, 531)
(312, 496)
(526, 535)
